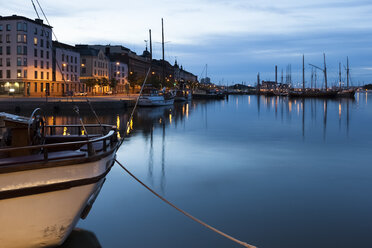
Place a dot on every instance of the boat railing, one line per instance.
(108, 141)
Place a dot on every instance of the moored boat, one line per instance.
(151, 97)
(49, 179)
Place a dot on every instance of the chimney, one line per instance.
(39, 21)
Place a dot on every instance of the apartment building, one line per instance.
(94, 64)
(119, 72)
(25, 56)
(66, 70)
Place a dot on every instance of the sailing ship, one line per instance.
(49, 179)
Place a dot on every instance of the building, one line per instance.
(119, 72)
(94, 65)
(25, 56)
(66, 70)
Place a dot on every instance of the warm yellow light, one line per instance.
(170, 118)
(117, 63)
(82, 65)
(131, 72)
(153, 73)
(118, 72)
(64, 65)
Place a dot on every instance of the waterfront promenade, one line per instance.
(112, 102)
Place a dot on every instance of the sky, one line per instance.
(236, 39)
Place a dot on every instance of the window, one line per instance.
(47, 54)
(35, 41)
(1, 50)
(83, 70)
(1, 74)
(36, 78)
(47, 44)
(25, 73)
(67, 68)
(42, 64)
(47, 64)
(41, 87)
(47, 75)
(35, 87)
(19, 61)
(7, 38)
(25, 27)
(67, 77)
(66, 58)
(63, 57)
(1, 62)
(8, 62)
(41, 53)
(42, 32)
(8, 50)
(75, 68)
(1, 27)
(24, 61)
(19, 26)
(35, 31)
(1, 38)
(35, 63)
(41, 75)
(8, 74)
(41, 43)
(25, 50)
(19, 73)
(35, 52)
(19, 50)
(47, 33)
(19, 38)
(72, 59)
(8, 27)
(75, 60)
(83, 61)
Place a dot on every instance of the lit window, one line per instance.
(35, 41)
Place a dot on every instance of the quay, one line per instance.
(60, 104)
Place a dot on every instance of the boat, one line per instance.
(50, 176)
(208, 94)
(313, 93)
(151, 97)
(346, 93)
(182, 95)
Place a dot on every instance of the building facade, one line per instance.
(66, 70)
(25, 56)
(119, 73)
(94, 65)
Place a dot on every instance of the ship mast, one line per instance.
(303, 72)
(162, 44)
(347, 71)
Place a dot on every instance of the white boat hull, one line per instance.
(154, 101)
(46, 219)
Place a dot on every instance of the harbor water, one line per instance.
(271, 171)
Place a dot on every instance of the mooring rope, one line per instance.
(184, 212)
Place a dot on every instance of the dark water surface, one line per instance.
(270, 171)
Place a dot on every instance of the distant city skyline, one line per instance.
(237, 39)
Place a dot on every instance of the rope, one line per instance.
(184, 212)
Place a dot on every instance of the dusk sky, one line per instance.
(237, 38)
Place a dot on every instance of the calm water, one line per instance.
(269, 171)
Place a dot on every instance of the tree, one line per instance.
(113, 83)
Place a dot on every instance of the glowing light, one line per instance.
(170, 118)
(153, 73)
(117, 63)
(64, 131)
(11, 90)
(16, 84)
(64, 65)
(82, 65)
(82, 132)
(118, 72)
(290, 106)
(160, 121)
(118, 122)
(249, 100)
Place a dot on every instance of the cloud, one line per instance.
(238, 38)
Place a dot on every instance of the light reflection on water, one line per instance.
(271, 171)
